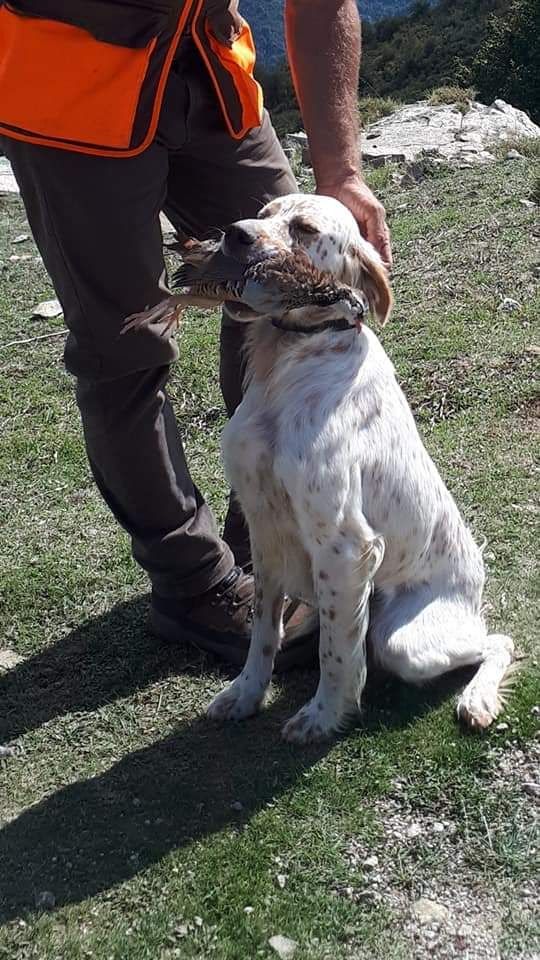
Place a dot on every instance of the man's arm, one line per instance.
(323, 42)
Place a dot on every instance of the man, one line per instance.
(110, 111)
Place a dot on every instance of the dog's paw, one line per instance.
(236, 702)
(310, 724)
(478, 707)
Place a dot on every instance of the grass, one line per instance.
(528, 147)
(452, 94)
(132, 828)
(372, 109)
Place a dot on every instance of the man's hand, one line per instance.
(224, 20)
(323, 43)
(370, 215)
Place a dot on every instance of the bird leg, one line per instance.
(167, 313)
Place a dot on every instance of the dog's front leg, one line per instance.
(245, 694)
(343, 574)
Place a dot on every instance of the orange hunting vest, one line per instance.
(89, 75)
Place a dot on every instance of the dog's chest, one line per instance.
(250, 447)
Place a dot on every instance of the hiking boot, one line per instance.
(219, 621)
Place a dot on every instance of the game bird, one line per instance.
(271, 287)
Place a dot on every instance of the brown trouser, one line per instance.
(96, 223)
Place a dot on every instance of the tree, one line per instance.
(508, 62)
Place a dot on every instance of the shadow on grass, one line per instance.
(94, 834)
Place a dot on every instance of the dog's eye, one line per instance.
(303, 225)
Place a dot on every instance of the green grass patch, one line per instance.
(132, 828)
(451, 94)
(372, 109)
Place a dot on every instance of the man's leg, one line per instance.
(96, 222)
(214, 180)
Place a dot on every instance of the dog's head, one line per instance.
(326, 231)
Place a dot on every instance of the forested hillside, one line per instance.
(405, 56)
(492, 45)
(266, 19)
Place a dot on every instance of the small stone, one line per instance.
(281, 880)
(438, 827)
(181, 930)
(45, 900)
(461, 941)
(236, 805)
(14, 258)
(509, 305)
(198, 921)
(371, 863)
(9, 659)
(514, 155)
(532, 788)
(47, 309)
(535, 711)
(429, 911)
(248, 910)
(501, 727)
(283, 946)
(21, 238)
(413, 831)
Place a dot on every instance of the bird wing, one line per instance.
(217, 268)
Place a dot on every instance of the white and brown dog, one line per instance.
(342, 499)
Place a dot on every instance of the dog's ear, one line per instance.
(364, 271)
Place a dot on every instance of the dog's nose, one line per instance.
(240, 234)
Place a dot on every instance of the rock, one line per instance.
(8, 184)
(45, 900)
(429, 911)
(248, 910)
(166, 225)
(236, 805)
(281, 880)
(298, 142)
(437, 827)
(284, 947)
(445, 132)
(7, 751)
(508, 305)
(514, 155)
(501, 727)
(48, 309)
(9, 659)
(371, 863)
(21, 238)
(532, 788)
(413, 831)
